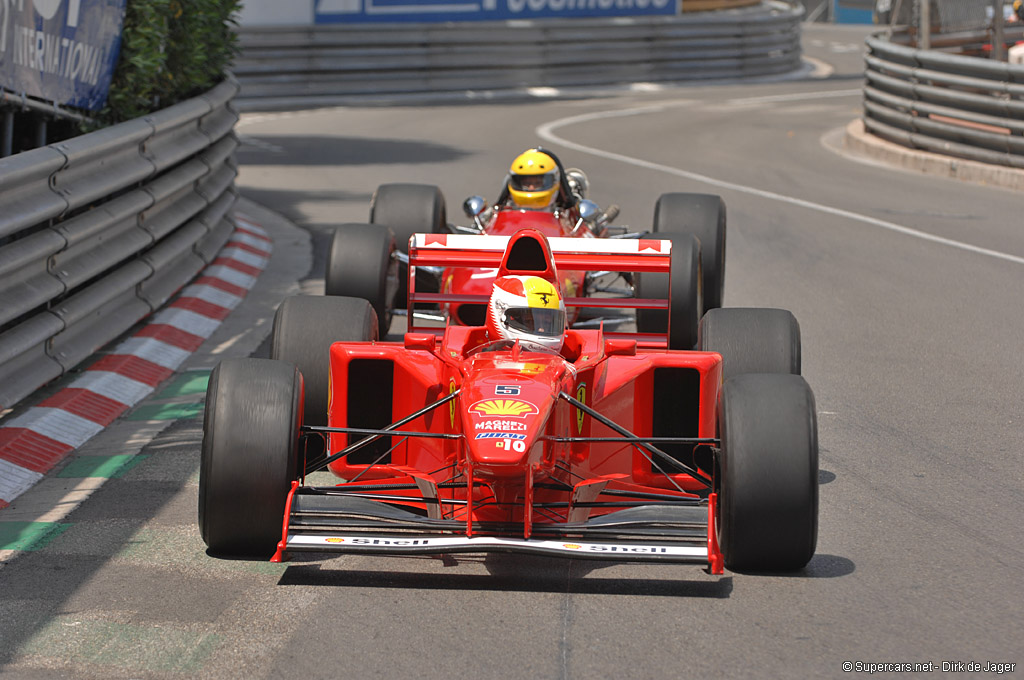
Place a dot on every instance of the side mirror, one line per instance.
(615, 347)
(473, 206)
(589, 211)
(424, 341)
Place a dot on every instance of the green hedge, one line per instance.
(170, 50)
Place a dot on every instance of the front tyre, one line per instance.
(768, 473)
(249, 455)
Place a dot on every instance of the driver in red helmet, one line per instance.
(526, 308)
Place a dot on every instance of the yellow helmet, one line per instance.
(533, 180)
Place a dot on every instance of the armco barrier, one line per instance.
(279, 64)
(100, 230)
(952, 104)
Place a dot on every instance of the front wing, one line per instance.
(320, 520)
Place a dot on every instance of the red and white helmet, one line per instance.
(527, 308)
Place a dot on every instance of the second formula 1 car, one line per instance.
(371, 260)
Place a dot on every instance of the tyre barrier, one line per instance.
(279, 64)
(958, 105)
(101, 230)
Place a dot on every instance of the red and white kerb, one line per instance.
(36, 440)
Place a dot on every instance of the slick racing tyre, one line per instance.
(702, 215)
(248, 460)
(305, 327)
(686, 298)
(361, 264)
(768, 473)
(751, 340)
(409, 209)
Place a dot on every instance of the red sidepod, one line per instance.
(510, 396)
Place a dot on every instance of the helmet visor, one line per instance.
(536, 321)
(531, 183)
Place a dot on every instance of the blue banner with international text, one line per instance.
(62, 51)
(372, 11)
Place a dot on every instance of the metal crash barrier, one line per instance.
(98, 231)
(950, 99)
(278, 64)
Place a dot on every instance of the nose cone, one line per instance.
(503, 438)
(505, 409)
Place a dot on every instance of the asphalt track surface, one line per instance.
(908, 291)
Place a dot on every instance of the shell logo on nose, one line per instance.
(503, 407)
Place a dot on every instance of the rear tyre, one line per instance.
(361, 264)
(702, 215)
(752, 340)
(409, 209)
(686, 298)
(768, 473)
(305, 327)
(249, 455)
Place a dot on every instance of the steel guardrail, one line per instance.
(958, 105)
(282, 64)
(100, 230)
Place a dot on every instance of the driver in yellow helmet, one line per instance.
(534, 181)
(537, 181)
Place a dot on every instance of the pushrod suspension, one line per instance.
(638, 441)
(387, 431)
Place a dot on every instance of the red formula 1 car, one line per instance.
(452, 441)
(370, 260)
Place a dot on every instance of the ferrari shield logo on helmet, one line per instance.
(541, 293)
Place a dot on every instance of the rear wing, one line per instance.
(569, 254)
